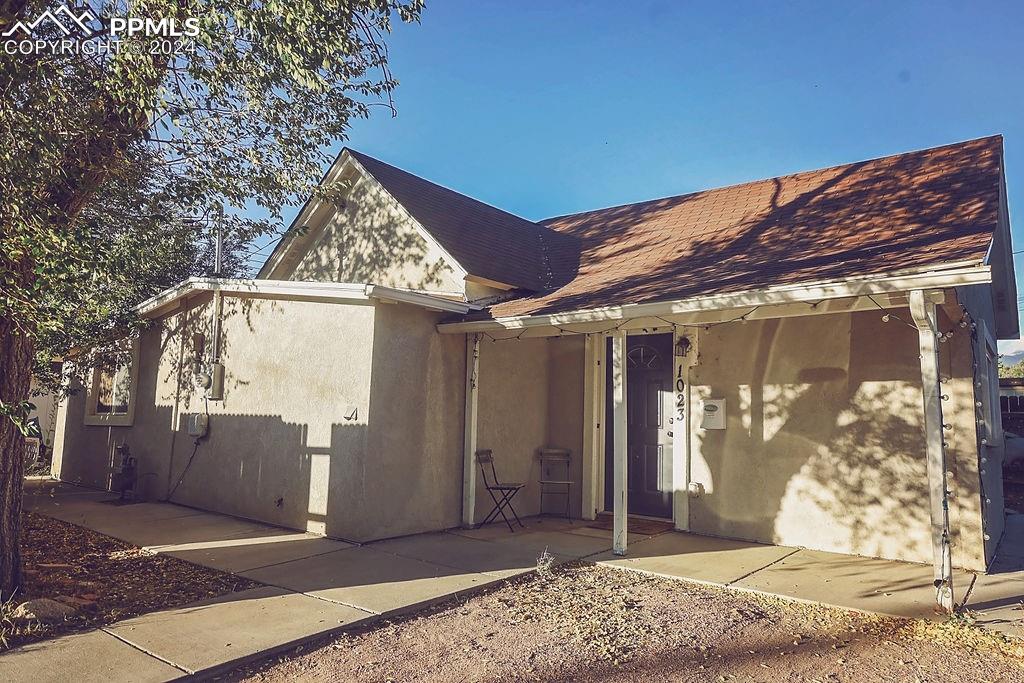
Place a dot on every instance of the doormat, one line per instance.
(635, 525)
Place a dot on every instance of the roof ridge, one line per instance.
(784, 176)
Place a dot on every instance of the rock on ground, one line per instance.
(42, 609)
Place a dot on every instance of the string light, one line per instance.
(964, 322)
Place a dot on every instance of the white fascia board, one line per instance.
(338, 292)
(955, 276)
(422, 299)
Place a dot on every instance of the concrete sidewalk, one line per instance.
(316, 586)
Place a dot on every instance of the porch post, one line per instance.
(469, 442)
(681, 425)
(591, 422)
(619, 486)
(922, 308)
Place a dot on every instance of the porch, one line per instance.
(847, 421)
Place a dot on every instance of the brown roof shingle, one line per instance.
(918, 209)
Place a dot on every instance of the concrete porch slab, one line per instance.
(154, 533)
(883, 586)
(372, 580)
(92, 656)
(998, 602)
(697, 558)
(207, 636)
(271, 546)
(461, 552)
(565, 546)
(996, 598)
(539, 533)
(92, 512)
(583, 530)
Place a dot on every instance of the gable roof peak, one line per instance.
(487, 242)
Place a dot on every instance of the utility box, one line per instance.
(197, 424)
(712, 414)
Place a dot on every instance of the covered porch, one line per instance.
(838, 417)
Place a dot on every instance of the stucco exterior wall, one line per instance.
(824, 444)
(512, 416)
(566, 367)
(978, 301)
(314, 433)
(368, 238)
(530, 396)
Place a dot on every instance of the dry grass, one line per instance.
(592, 623)
(123, 580)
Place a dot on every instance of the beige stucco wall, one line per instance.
(978, 301)
(565, 409)
(366, 237)
(512, 416)
(333, 419)
(824, 445)
(530, 396)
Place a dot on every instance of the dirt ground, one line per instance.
(105, 579)
(586, 623)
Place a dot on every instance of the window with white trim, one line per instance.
(112, 389)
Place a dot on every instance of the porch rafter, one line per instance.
(774, 302)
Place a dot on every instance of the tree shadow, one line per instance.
(907, 211)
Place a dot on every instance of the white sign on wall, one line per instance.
(712, 413)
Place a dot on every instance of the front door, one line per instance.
(649, 435)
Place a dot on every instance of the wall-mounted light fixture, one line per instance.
(682, 346)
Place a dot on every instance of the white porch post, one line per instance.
(619, 487)
(469, 442)
(922, 308)
(591, 419)
(681, 427)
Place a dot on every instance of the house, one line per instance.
(808, 360)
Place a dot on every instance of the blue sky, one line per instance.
(545, 108)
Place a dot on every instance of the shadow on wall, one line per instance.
(261, 467)
(824, 446)
(371, 446)
(365, 239)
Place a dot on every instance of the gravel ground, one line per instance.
(106, 578)
(588, 623)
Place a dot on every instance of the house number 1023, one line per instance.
(680, 393)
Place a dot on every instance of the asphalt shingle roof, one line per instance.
(907, 211)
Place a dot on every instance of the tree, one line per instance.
(1015, 370)
(118, 154)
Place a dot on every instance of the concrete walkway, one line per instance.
(316, 586)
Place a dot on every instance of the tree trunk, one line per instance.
(15, 384)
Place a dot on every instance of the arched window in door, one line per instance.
(643, 356)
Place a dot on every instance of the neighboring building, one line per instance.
(752, 362)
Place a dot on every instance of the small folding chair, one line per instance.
(501, 494)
